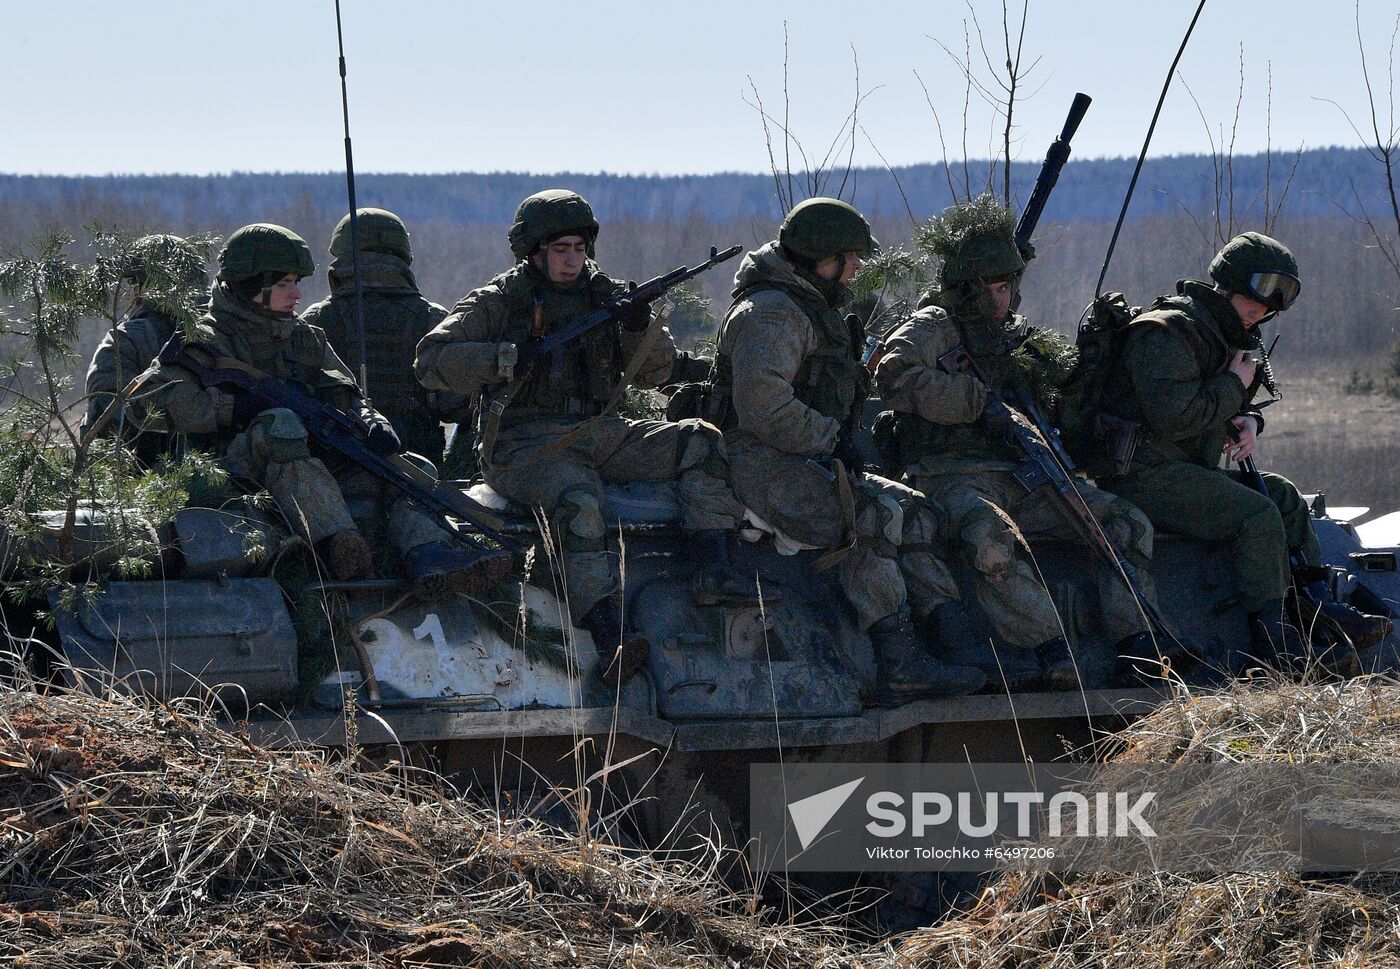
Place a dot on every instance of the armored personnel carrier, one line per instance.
(502, 692)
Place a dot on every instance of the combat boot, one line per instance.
(438, 569)
(620, 654)
(1363, 629)
(906, 671)
(1008, 669)
(1060, 672)
(347, 555)
(1143, 658)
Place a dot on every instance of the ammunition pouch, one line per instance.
(1120, 440)
(687, 401)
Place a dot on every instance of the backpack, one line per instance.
(1100, 342)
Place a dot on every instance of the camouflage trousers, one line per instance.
(992, 521)
(567, 483)
(894, 534)
(1216, 505)
(272, 453)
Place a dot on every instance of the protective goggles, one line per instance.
(1277, 291)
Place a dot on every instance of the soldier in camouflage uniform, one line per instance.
(1186, 378)
(949, 448)
(128, 349)
(396, 318)
(251, 319)
(788, 391)
(545, 440)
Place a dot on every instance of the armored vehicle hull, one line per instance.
(503, 694)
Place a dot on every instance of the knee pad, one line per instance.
(881, 517)
(285, 434)
(700, 447)
(1131, 533)
(992, 544)
(578, 518)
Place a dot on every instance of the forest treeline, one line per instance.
(1182, 207)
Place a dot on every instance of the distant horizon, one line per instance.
(603, 173)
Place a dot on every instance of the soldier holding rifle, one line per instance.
(547, 437)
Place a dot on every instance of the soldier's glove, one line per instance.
(245, 408)
(848, 455)
(383, 441)
(634, 315)
(998, 423)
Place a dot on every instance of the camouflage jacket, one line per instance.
(288, 349)
(787, 371)
(125, 352)
(937, 411)
(461, 354)
(1173, 377)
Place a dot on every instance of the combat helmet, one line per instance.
(822, 227)
(177, 260)
(975, 241)
(548, 215)
(1259, 267)
(378, 230)
(263, 251)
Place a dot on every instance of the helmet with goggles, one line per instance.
(1259, 267)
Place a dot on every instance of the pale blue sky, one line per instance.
(96, 86)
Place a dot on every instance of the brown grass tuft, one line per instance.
(1172, 920)
(132, 835)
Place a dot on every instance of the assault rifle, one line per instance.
(1044, 466)
(553, 344)
(347, 436)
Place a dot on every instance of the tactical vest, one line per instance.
(915, 438)
(296, 360)
(1188, 321)
(395, 320)
(588, 373)
(830, 379)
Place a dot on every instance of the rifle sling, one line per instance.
(848, 519)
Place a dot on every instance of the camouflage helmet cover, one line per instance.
(180, 261)
(379, 230)
(822, 227)
(1247, 254)
(975, 241)
(547, 215)
(262, 249)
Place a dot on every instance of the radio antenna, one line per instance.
(354, 217)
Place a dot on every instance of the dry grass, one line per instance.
(1172, 920)
(132, 835)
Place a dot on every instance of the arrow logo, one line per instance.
(811, 814)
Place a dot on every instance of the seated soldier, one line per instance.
(545, 440)
(396, 318)
(1186, 379)
(128, 349)
(788, 391)
(950, 448)
(252, 320)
